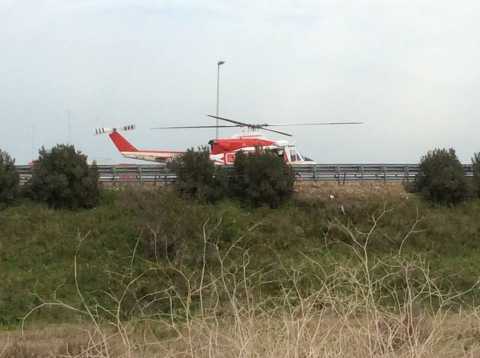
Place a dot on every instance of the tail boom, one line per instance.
(152, 156)
(128, 150)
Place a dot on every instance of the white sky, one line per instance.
(409, 69)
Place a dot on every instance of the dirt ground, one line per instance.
(350, 191)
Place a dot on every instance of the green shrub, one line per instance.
(476, 173)
(62, 178)
(170, 227)
(198, 177)
(9, 179)
(441, 178)
(262, 178)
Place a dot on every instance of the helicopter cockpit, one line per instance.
(291, 155)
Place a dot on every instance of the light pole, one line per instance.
(219, 63)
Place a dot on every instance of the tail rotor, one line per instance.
(128, 127)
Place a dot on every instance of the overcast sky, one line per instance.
(409, 69)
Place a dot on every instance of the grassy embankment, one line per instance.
(382, 262)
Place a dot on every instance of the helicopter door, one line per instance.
(280, 152)
(287, 155)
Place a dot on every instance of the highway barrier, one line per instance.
(340, 173)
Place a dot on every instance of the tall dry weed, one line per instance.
(370, 308)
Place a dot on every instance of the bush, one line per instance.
(170, 227)
(441, 178)
(262, 178)
(198, 177)
(9, 179)
(476, 173)
(62, 178)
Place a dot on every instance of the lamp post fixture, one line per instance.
(219, 63)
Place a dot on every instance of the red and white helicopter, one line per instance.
(222, 150)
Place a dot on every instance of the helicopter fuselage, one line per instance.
(223, 150)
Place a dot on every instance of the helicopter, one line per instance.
(222, 150)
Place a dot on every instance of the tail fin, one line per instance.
(120, 142)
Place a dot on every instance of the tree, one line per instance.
(198, 177)
(62, 178)
(9, 178)
(262, 178)
(441, 178)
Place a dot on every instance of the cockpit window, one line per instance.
(297, 157)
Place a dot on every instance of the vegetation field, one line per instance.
(147, 273)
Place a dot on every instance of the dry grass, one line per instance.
(305, 331)
(47, 341)
(312, 333)
(355, 313)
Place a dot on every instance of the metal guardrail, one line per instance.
(361, 172)
(341, 173)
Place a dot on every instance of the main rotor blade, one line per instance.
(309, 124)
(273, 130)
(243, 124)
(282, 125)
(253, 126)
(186, 127)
